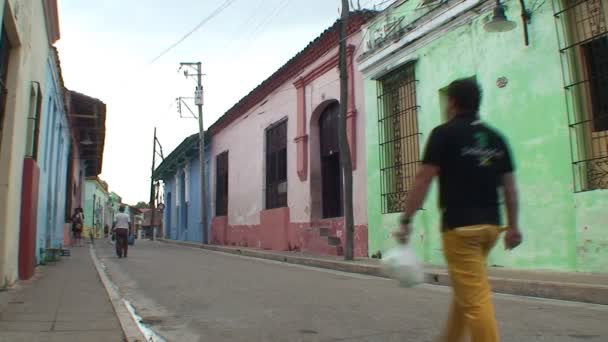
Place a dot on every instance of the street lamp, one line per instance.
(499, 22)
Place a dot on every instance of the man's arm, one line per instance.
(513, 237)
(416, 197)
(511, 200)
(420, 189)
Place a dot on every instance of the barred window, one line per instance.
(276, 165)
(398, 136)
(583, 41)
(33, 126)
(221, 184)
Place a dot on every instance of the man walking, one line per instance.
(122, 228)
(473, 163)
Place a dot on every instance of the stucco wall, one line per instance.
(53, 154)
(175, 227)
(95, 208)
(245, 141)
(531, 113)
(27, 33)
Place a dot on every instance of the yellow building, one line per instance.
(28, 30)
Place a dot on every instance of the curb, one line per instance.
(129, 327)
(586, 293)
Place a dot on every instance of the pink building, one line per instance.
(275, 174)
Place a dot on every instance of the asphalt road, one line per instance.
(187, 294)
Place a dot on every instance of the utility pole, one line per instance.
(152, 188)
(198, 101)
(345, 159)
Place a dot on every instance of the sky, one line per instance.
(106, 49)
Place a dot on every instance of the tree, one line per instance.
(142, 205)
(345, 159)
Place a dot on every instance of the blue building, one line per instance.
(54, 150)
(180, 173)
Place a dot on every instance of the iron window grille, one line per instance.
(583, 43)
(33, 133)
(276, 165)
(221, 185)
(399, 136)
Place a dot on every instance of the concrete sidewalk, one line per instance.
(65, 301)
(579, 287)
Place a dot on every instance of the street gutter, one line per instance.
(130, 327)
(568, 291)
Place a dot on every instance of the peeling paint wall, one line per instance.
(176, 225)
(248, 221)
(592, 231)
(563, 230)
(25, 25)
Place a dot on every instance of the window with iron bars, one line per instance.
(583, 42)
(33, 126)
(399, 136)
(221, 184)
(276, 165)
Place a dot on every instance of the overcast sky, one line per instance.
(106, 48)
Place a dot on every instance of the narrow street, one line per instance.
(186, 294)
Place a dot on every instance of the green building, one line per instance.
(97, 207)
(545, 86)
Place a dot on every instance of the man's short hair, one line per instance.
(121, 208)
(466, 93)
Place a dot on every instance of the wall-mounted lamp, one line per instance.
(500, 23)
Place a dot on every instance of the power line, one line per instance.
(213, 14)
(246, 25)
(259, 30)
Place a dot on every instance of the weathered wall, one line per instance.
(244, 139)
(591, 237)
(95, 207)
(562, 231)
(25, 24)
(53, 154)
(175, 226)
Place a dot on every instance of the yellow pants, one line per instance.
(466, 250)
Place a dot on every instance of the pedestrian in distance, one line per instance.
(77, 226)
(473, 163)
(122, 229)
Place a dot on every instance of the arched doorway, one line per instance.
(331, 174)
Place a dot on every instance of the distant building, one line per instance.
(97, 207)
(180, 173)
(146, 221)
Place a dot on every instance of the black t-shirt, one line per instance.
(472, 158)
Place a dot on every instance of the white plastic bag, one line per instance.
(401, 264)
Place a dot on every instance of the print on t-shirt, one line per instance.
(485, 155)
